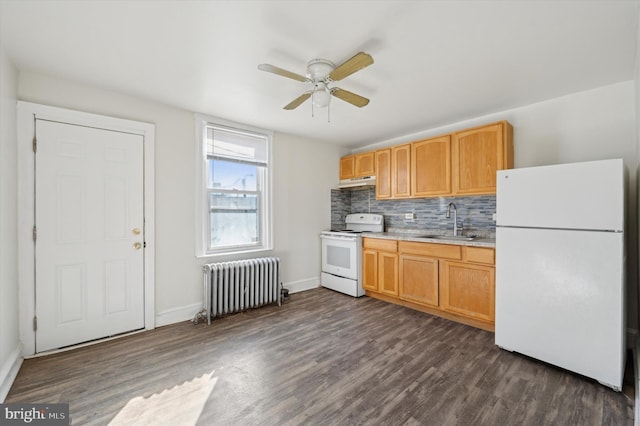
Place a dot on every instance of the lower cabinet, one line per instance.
(370, 270)
(380, 266)
(468, 290)
(388, 273)
(419, 278)
(456, 282)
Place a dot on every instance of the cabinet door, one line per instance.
(401, 171)
(468, 290)
(365, 164)
(383, 173)
(370, 270)
(347, 167)
(418, 279)
(431, 167)
(388, 273)
(477, 154)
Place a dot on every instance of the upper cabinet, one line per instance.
(431, 167)
(348, 167)
(357, 165)
(477, 154)
(366, 164)
(460, 163)
(393, 177)
(401, 171)
(383, 174)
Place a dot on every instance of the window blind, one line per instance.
(234, 145)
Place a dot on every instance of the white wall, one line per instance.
(304, 173)
(591, 125)
(303, 176)
(9, 342)
(637, 119)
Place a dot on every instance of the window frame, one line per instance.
(265, 208)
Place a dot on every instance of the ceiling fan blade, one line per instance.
(350, 97)
(297, 101)
(279, 71)
(356, 63)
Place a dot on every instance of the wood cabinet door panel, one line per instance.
(401, 171)
(347, 167)
(388, 273)
(468, 290)
(365, 164)
(370, 270)
(383, 173)
(478, 157)
(431, 167)
(477, 154)
(418, 278)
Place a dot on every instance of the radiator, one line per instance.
(240, 285)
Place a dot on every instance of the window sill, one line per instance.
(232, 253)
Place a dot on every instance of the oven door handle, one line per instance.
(338, 237)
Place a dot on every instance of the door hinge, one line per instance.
(35, 233)
(35, 144)
(35, 323)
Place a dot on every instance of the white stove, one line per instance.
(342, 253)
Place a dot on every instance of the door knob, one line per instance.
(137, 246)
(136, 231)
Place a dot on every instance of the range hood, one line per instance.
(359, 181)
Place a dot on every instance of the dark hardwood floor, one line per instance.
(323, 358)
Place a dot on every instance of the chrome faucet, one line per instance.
(455, 219)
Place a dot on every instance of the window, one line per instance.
(234, 200)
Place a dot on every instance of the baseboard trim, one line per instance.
(302, 285)
(187, 313)
(9, 372)
(172, 316)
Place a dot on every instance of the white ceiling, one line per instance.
(436, 62)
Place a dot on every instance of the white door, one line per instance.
(89, 249)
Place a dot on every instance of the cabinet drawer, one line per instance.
(380, 244)
(479, 255)
(444, 251)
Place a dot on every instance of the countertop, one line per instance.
(415, 237)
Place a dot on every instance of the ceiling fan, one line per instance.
(321, 73)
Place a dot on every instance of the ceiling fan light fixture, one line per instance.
(321, 96)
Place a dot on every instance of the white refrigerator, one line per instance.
(560, 281)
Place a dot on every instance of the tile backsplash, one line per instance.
(476, 212)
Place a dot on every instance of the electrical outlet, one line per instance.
(409, 216)
(494, 217)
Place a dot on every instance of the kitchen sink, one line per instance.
(450, 237)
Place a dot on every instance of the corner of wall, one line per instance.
(10, 347)
(9, 371)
